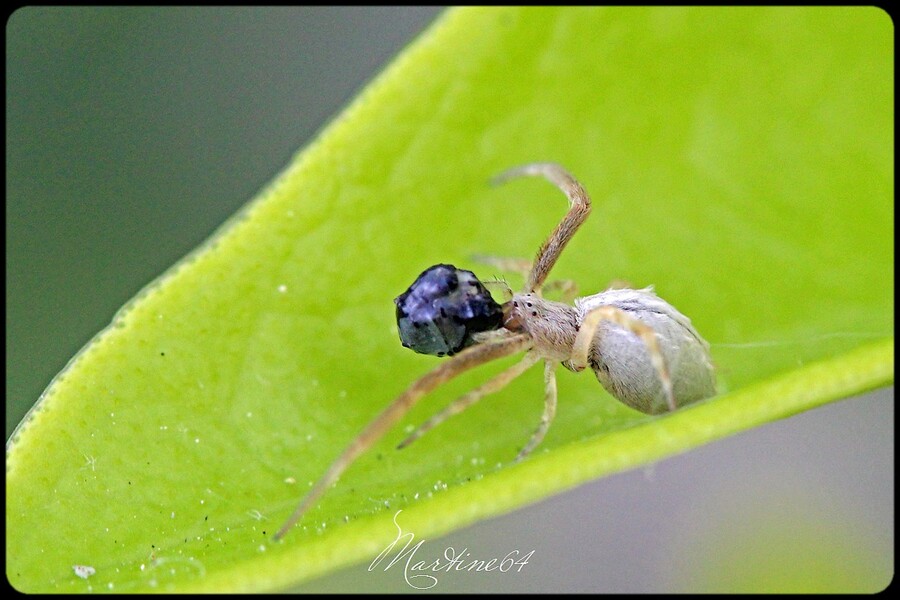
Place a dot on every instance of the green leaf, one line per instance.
(739, 159)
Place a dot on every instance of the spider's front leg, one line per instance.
(467, 359)
(463, 402)
(579, 209)
(567, 288)
(519, 266)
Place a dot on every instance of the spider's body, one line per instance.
(619, 357)
(642, 350)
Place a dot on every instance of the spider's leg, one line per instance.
(579, 209)
(519, 266)
(567, 287)
(492, 284)
(467, 359)
(522, 266)
(549, 410)
(588, 330)
(463, 402)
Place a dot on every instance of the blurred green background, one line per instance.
(133, 133)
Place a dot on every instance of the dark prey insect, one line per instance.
(443, 309)
(641, 349)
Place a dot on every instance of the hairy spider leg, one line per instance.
(519, 266)
(463, 402)
(549, 410)
(499, 284)
(567, 288)
(467, 359)
(579, 209)
(522, 266)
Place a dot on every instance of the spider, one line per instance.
(642, 350)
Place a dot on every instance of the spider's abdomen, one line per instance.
(443, 308)
(621, 361)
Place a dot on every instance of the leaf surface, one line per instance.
(741, 160)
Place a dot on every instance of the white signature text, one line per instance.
(416, 571)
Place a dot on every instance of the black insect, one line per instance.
(443, 309)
